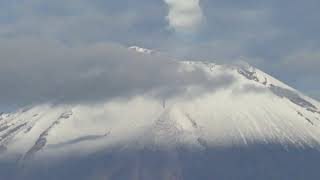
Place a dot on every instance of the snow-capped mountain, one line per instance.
(255, 128)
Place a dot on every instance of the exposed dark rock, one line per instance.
(265, 81)
(4, 127)
(251, 75)
(78, 140)
(28, 130)
(193, 122)
(12, 131)
(66, 115)
(293, 97)
(42, 140)
(300, 114)
(40, 143)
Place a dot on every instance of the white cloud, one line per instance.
(184, 15)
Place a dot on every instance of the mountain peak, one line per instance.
(141, 50)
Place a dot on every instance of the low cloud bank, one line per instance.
(34, 71)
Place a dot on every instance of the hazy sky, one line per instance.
(280, 37)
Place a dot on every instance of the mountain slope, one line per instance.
(253, 124)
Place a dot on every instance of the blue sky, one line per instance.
(280, 37)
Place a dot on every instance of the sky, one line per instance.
(45, 45)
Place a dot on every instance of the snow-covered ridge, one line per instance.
(141, 50)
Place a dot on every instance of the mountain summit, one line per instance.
(251, 127)
(141, 50)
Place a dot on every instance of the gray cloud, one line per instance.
(35, 71)
(82, 21)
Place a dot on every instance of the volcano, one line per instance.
(256, 127)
